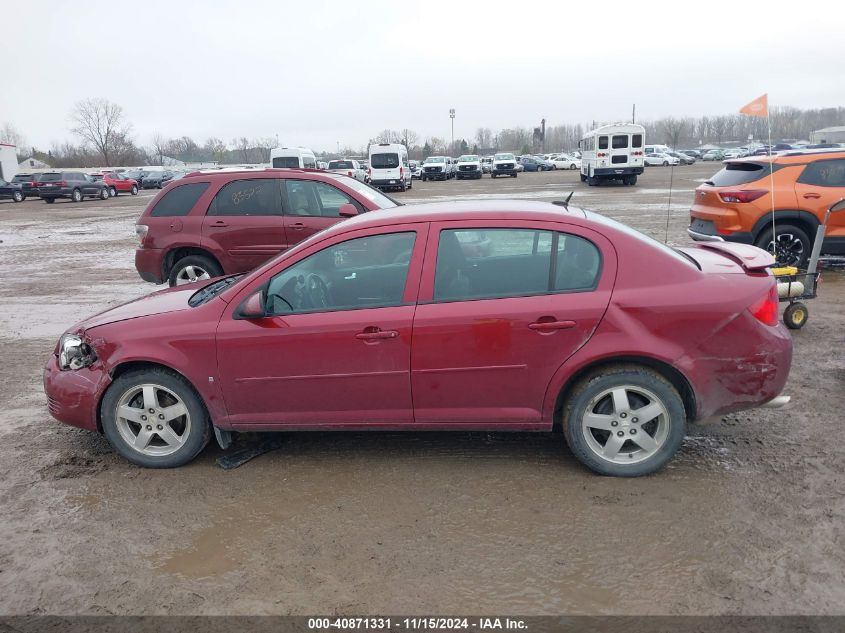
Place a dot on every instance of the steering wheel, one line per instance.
(318, 291)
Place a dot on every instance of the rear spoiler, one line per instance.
(751, 257)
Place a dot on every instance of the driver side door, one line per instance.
(334, 350)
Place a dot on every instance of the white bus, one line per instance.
(293, 157)
(612, 152)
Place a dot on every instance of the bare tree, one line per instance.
(158, 147)
(9, 134)
(484, 137)
(215, 148)
(100, 123)
(409, 138)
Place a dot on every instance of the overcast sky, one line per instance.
(316, 73)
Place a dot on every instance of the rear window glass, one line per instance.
(340, 164)
(637, 140)
(179, 201)
(22, 178)
(620, 141)
(602, 142)
(286, 161)
(739, 174)
(384, 161)
(50, 177)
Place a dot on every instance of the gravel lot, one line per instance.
(747, 519)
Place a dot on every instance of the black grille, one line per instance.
(467, 167)
(432, 169)
(504, 166)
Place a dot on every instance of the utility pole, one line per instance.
(634, 114)
(452, 116)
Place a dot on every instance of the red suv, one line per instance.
(117, 183)
(213, 223)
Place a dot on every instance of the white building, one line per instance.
(829, 135)
(32, 163)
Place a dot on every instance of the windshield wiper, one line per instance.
(212, 290)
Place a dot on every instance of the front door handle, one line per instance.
(551, 326)
(812, 195)
(219, 223)
(297, 226)
(375, 334)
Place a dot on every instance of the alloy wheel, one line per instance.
(625, 424)
(191, 274)
(152, 420)
(787, 249)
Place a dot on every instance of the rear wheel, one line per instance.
(112, 192)
(134, 191)
(104, 194)
(795, 315)
(154, 418)
(49, 200)
(76, 196)
(18, 196)
(573, 166)
(665, 163)
(790, 246)
(592, 181)
(624, 421)
(193, 268)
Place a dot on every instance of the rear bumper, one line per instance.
(148, 263)
(72, 396)
(388, 182)
(58, 192)
(615, 172)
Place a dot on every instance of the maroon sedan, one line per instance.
(564, 321)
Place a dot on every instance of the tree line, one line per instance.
(104, 138)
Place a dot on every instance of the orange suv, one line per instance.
(736, 203)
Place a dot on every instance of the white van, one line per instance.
(612, 152)
(657, 149)
(293, 157)
(389, 168)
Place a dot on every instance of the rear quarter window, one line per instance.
(179, 201)
(734, 174)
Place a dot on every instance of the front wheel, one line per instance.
(154, 418)
(104, 194)
(18, 196)
(112, 192)
(573, 167)
(665, 163)
(76, 196)
(625, 421)
(134, 191)
(50, 200)
(795, 315)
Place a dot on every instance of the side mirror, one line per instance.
(838, 206)
(253, 307)
(347, 210)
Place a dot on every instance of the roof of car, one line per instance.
(795, 157)
(464, 210)
(266, 171)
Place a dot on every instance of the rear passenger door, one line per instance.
(245, 222)
(819, 186)
(311, 206)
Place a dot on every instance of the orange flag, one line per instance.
(758, 107)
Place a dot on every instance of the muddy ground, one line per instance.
(747, 519)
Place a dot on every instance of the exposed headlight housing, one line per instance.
(74, 353)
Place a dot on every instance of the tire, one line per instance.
(492, 175)
(193, 268)
(50, 200)
(665, 163)
(18, 196)
(583, 178)
(104, 194)
(422, 178)
(403, 187)
(184, 435)
(592, 181)
(134, 191)
(573, 166)
(795, 316)
(513, 175)
(112, 192)
(411, 183)
(596, 396)
(76, 196)
(793, 245)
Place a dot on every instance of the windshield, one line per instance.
(286, 161)
(384, 161)
(504, 157)
(370, 193)
(340, 164)
(468, 159)
(435, 159)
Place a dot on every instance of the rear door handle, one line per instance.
(219, 223)
(812, 195)
(375, 334)
(297, 226)
(551, 326)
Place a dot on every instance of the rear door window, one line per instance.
(385, 161)
(257, 196)
(637, 140)
(602, 142)
(620, 141)
(824, 173)
(179, 201)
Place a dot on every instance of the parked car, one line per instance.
(714, 154)
(348, 167)
(435, 168)
(156, 179)
(619, 359)
(529, 163)
(117, 183)
(232, 221)
(736, 204)
(486, 164)
(684, 159)
(733, 153)
(650, 160)
(27, 183)
(468, 166)
(691, 152)
(11, 191)
(136, 174)
(69, 184)
(562, 161)
(504, 164)
(416, 168)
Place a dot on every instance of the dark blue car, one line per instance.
(11, 191)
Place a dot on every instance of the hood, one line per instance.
(169, 300)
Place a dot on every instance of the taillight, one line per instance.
(349, 173)
(141, 231)
(601, 155)
(401, 172)
(766, 309)
(745, 195)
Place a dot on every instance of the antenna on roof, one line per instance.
(564, 203)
